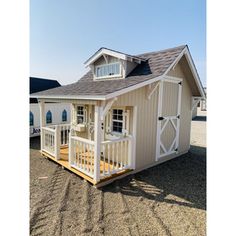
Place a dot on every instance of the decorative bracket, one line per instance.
(107, 107)
(195, 101)
(151, 89)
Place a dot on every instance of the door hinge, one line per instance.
(176, 149)
(161, 118)
(180, 83)
(178, 116)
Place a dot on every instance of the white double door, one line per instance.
(168, 117)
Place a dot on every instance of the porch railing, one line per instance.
(115, 156)
(54, 137)
(48, 140)
(81, 155)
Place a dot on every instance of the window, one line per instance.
(80, 115)
(31, 119)
(108, 70)
(64, 115)
(49, 117)
(117, 120)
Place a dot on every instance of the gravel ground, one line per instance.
(169, 199)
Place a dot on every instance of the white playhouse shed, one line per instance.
(128, 113)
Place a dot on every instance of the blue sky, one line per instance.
(64, 34)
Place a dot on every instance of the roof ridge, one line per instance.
(163, 50)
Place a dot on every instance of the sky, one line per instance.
(64, 34)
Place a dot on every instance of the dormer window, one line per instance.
(108, 70)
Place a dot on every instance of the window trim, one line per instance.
(78, 115)
(107, 76)
(120, 121)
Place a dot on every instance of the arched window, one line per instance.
(49, 117)
(64, 115)
(31, 119)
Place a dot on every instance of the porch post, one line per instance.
(133, 140)
(57, 142)
(97, 142)
(42, 121)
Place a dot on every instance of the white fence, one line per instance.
(48, 140)
(53, 137)
(115, 156)
(81, 155)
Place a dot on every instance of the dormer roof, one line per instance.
(153, 67)
(113, 53)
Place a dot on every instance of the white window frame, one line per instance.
(107, 76)
(120, 121)
(79, 115)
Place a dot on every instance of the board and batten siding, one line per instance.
(186, 114)
(147, 119)
(146, 124)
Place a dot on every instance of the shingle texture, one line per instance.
(155, 65)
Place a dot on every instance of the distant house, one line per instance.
(128, 113)
(203, 102)
(55, 113)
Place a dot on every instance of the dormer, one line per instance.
(107, 64)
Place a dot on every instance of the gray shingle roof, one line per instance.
(156, 65)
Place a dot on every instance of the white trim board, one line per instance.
(110, 52)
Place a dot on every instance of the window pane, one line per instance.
(120, 118)
(80, 119)
(64, 115)
(31, 119)
(106, 70)
(49, 117)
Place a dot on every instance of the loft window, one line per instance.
(49, 117)
(31, 119)
(80, 115)
(64, 115)
(108, 70)
(117, 120)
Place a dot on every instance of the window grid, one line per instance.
(117, 120)
(108, 70)
(80, 114)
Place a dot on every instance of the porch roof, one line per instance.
(156, 65)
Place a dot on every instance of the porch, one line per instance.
(91, 152)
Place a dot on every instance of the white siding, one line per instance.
(55, 108)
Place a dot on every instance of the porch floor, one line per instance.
(64, 153)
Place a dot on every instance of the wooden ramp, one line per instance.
(65, 163)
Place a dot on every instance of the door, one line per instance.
(168, 117)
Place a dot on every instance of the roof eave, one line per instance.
(70, 97)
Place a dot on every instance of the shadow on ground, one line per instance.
(200, 118)
(35, 143)
(183, 178)
(181, 181)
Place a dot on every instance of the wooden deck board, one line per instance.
(64, 162)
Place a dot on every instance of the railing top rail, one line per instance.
(49, 129)
(117, 140)
(83, 140)
(54, 126)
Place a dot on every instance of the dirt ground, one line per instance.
(169, 199)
